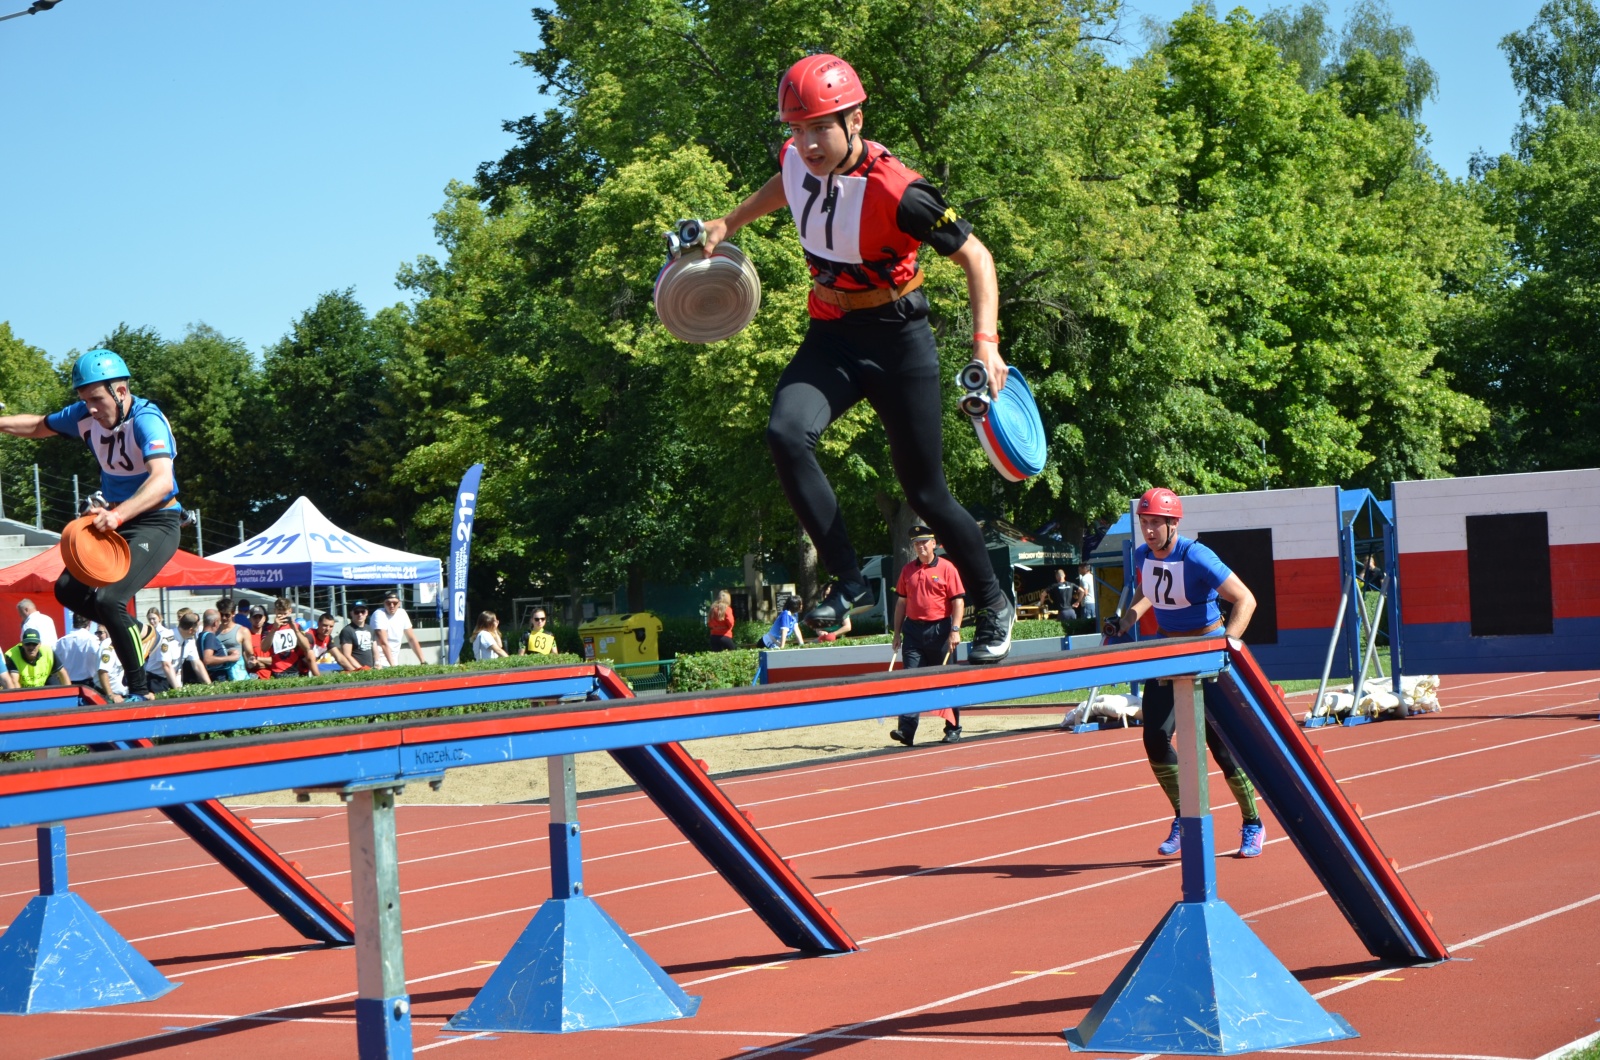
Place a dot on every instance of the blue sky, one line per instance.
(169, 162)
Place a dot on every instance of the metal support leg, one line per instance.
(1194, 792)
(573, 968)
(383, 1009)
(1202, 983)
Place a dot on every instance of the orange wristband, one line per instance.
(115, 517)
(978, 336)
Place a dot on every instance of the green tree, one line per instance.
(30, 383)
(1528, 345)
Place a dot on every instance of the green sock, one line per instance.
(1245, 792)
(1167, 777)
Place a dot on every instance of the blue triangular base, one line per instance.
(59, 954)
(574, 969)
(1204, 985)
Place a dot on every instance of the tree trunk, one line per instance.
(635, 588)
(900, 517)
(806, 568)
(753, 587)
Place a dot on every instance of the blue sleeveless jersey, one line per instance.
(123, 453)
(1182, 587)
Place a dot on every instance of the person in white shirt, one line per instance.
(109, 678)
(1089, 608)
(162, 654)
(33, 618)
(486, 642)
(79, 652)
(395, 625)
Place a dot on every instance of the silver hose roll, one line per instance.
(707, 299)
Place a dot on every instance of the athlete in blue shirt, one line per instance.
(1181, 580)
(133, 443)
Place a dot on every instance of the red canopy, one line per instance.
(185, 569)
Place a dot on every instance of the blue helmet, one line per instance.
(98, 366)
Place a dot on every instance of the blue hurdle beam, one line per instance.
(1321, 822)
(31, 792)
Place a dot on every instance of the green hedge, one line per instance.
(706, 670)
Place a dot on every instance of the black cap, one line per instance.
(359, 605)
(918, 531)
(30, 636)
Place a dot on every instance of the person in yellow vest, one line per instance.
(540, 642)
(31, 665)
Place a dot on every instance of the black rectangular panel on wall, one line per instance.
(1508, 574)
(1248, 553)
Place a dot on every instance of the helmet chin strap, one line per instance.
(122, 411)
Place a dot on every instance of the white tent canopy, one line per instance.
(305, 548)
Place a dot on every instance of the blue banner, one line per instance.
(460, 558)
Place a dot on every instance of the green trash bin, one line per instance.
(631, 638)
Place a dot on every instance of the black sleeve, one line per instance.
(927, 218)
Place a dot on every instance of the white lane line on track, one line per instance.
(1474, 941)
(1005, 984)
(725, 915)
(480, 969)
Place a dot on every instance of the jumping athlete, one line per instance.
(862, 216)
(133, 442)
(1181, 580)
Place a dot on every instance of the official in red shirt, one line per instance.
(927, 622)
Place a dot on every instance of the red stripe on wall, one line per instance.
(1433, 587)
(1308, 592)
(1434, 584)
(1575, 580)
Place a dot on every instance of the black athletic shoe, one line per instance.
(952, 734)
(831, 612)
(991, 641)
(899, 737)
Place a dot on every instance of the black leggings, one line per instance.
(152, 539)
(894, 364)
(1160, 721)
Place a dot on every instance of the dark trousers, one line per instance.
(152, 539)
(923, 644)
(1160, 721)
(894, 365)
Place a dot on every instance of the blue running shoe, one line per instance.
(1251, 836)
(1174, 841)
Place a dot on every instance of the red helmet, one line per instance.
(1161, 501)
(816, 86)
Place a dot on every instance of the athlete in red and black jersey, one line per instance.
(862, 216)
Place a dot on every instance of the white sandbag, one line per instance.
(1114, 706)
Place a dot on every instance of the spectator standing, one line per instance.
(29, 664)
(719, 622)
(33, 618)
(110, 678)
(1181, 579)
(394, 627)
(1061, 595)
(355, 650)
(787, 622)
(241, 612)
(235, 641)
(1088, 607)
(260, 663)
(286, 643)
(931, 601)
(215, 655)
(190, 667)
(862, 217)
(79, 652)
(162, 654)
(133, 442)
(540, 640)
(486, 642)
(322, 642)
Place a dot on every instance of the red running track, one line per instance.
(996, 886)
